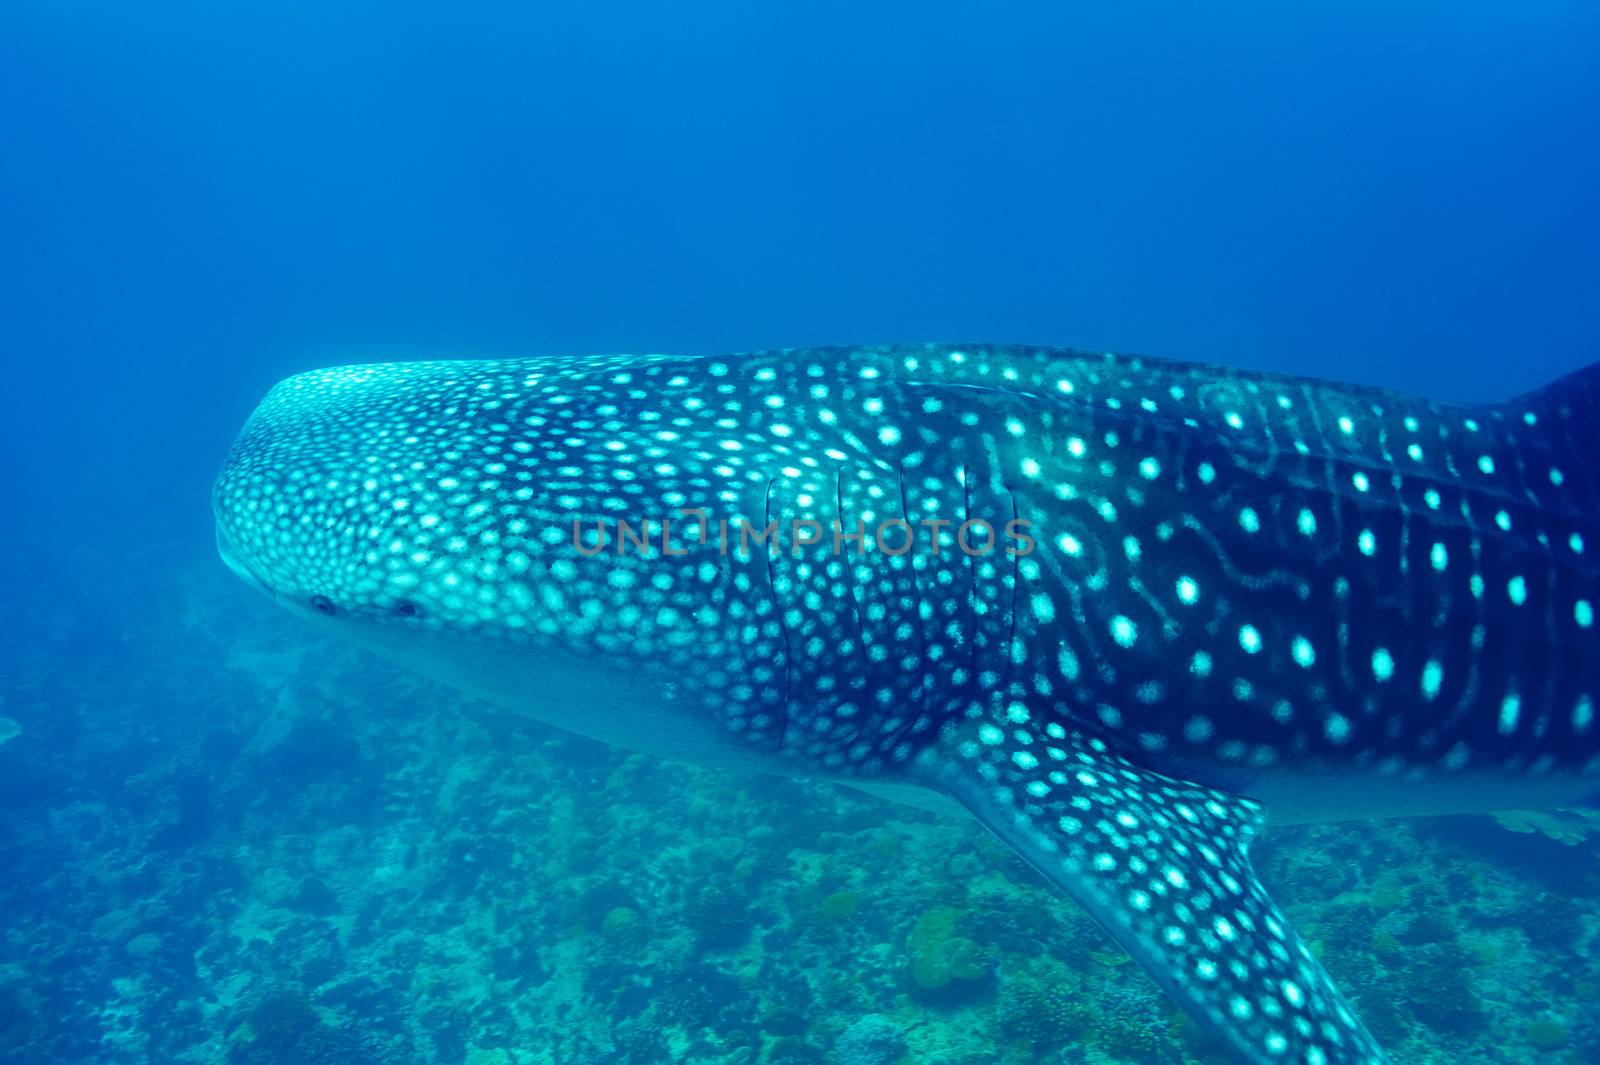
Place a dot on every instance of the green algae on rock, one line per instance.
(938, 955)
(840, 905)
(1546, 1034)
(624, 928)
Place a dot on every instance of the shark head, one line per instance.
(1118, 609)
(507, 527)
(579, 537)
(440, 497)
(582, 537)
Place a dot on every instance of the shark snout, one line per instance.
(234, 561)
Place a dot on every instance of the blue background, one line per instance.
(199, 199)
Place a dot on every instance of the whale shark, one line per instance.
(1120, 610)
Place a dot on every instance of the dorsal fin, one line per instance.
(1562, 421)
(1570, 397)
(1540, 451)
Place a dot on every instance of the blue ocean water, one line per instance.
(223, 838)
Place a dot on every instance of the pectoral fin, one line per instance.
(1162, 865)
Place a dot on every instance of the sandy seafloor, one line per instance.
(225, 839)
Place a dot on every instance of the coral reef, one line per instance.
(235, 843)
(1042, 1005)
(872, 1040)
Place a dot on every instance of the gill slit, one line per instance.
(917, 605)
(783, 626)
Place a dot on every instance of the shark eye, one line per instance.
(322, 605)
(406, 610)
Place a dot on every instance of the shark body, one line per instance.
(1115, 608)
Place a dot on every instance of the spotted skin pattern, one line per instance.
(1163, 865)
(1204, 594)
